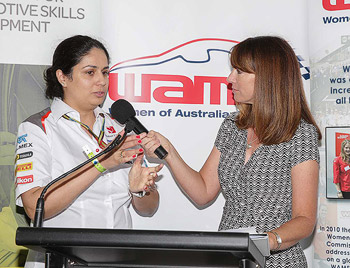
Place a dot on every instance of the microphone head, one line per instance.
(122, 110)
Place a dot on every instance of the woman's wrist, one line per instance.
(139, 194)
(275, 239)
(172, 154)
(95, 162)
(272, 241)
(106, 162)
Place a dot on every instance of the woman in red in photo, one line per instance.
(341, 171)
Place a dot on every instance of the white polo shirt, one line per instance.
(49, 145)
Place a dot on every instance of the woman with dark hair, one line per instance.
(341, 171)
(68, 133)
(265, 159)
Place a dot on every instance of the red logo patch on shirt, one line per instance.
(25, 179)
(111, 129)
(24, 167)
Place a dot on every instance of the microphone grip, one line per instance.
(138, 128)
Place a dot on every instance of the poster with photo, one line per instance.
(337, 161)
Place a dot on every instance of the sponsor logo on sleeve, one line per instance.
(22, 138)
(24, 167)
(25, 145)
(24, 155)
(25, 179)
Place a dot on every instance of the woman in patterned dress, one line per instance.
(265, 159)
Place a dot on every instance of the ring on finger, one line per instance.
(121, 154)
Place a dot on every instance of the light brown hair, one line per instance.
(279, 100)
(344, 157)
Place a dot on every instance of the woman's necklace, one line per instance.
(249, 144)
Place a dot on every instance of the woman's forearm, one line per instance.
(292, 232)
(203, 186)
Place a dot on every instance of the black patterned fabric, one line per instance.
(259, 193)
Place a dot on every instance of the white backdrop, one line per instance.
(144, 28)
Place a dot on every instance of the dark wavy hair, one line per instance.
(68, 54)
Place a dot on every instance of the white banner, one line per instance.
(330, 64)
(30, 30)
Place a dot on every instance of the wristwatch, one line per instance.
(138, 194)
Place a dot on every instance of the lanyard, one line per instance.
(98, 138)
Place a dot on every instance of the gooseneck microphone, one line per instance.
(124, 113)
(39, 210)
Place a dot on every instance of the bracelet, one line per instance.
(278, 239)
(96, 163)
(98, 166)
(138, 194)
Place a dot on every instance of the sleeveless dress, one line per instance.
(259, 193)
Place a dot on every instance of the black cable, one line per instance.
(39, 210)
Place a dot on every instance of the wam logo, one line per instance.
(191, 73)
(333, 5)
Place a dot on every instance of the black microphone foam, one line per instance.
(122, 110)
(124, 113)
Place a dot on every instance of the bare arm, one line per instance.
(63, 193)
(203, 186)
(336, 177)
(146, 206)
(304, 206)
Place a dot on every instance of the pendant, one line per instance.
(249, 146)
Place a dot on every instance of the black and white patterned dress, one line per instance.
(259, 193)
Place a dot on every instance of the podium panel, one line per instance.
(66, 247)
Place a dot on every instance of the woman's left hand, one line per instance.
(126, 152)
(142, 178)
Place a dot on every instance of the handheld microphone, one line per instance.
(124, 113)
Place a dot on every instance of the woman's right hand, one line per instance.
(152, 141)
(124, 153)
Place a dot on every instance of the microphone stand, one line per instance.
(39, 210)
